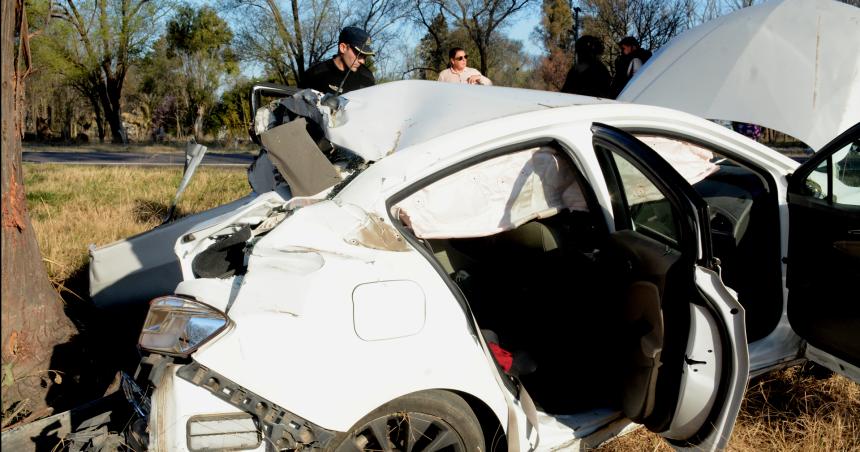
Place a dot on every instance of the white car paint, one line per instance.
(789, 65)
(296, 337)
(296, 329)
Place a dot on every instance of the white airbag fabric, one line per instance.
(494, 196)
(692, 162)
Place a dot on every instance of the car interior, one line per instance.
(744, 232)
(824, 252)
(583, 308)
(580, 307)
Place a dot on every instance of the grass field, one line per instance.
(73, 207)
(146, 148)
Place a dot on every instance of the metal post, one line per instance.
(576, 12)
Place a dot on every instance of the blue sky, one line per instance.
(521, 29)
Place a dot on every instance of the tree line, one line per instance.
(152, 70)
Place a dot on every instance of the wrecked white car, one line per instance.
(538, 271)
(544, 244)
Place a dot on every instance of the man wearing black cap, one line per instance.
(346, 71)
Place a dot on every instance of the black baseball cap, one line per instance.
(357, 38)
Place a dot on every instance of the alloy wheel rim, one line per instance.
(407, 432)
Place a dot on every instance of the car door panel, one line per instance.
(685, 342)
(707, 362)
(824, 254)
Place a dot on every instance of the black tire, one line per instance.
(424, 421)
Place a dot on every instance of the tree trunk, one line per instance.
(482, 52)
(100, 122)
(198, 123)
(33, 320)
(110, 108)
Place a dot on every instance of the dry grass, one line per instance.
(74, 206)
(786, 410)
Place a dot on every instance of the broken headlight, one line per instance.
(177, 326)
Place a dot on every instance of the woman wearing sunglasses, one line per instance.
(459, 72)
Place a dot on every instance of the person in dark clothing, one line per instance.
(628, 63)
(589, 75)
(345, 71)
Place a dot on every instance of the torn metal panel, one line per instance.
(139, 268)
(375, 233)
(263, 176)
(298, 158)
(193, 156)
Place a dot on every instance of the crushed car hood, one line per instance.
(792, 66)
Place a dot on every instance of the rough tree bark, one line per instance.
(33, 319)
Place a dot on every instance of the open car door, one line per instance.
(824, 254)
(685, 336)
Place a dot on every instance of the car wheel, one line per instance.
(424, 421)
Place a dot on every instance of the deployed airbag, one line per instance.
(497, 195)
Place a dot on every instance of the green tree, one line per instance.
(432, 50)
(233, 112)
(555, 33)
(652, 22)
(288, 44)
(200, 40)
(55, 49)
(109, 38)
(288, 37)
(556, 25)
(482, 20)
(156, 101)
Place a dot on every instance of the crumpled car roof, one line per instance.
(385, 118)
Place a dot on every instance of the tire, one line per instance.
(424, 421)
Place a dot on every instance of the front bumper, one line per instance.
(195, 408)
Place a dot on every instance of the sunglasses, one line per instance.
(461, 58)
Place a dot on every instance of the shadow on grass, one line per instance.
(106, 343)
(148, 211)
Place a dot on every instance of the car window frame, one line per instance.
(797, 180)
(694, 217)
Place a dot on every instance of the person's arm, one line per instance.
(476, 77)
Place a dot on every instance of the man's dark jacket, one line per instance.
(326, 77)
(588, 77)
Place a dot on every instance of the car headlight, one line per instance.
(177, 326)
